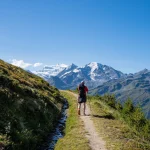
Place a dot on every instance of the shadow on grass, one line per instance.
(108, 116)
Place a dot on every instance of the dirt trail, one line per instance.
(96, 142)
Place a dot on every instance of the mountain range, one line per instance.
(134, 86)
(65, 77)
(102, 79)
(51, 70)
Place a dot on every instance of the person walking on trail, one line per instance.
(83, 90)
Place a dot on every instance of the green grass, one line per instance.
(114, 130)
(74, 138)
(29, 108)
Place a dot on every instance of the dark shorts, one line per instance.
(82, 99)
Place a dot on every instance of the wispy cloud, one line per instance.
(20, 63)
(37, 64)
(24, 65)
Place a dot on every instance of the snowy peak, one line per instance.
(97, 66)
(97, 71)
(93, 65)
(72, 66)
(67, 70)
(51, 70)
(93, 73)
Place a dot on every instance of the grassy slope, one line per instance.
(136, 88)
(29, 106)
(118, 135)
(74, 138)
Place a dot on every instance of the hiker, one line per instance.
(83, 90)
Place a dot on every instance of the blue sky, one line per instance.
(111, 32)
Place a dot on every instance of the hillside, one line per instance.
(107, 125)
(29, 108)
(134, 86)
(123, 128)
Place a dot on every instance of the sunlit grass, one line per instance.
(29, 108)
(114, 130)
(74, 138)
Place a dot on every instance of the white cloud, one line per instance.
(37, 64)
(20, 63)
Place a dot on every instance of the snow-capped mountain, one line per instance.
(67, 70)
(94, 74)
(51, 70)
(102, 79)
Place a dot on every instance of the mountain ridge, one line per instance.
(102, 79)
(136, 87)
(93, 73)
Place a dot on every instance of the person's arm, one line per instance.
(86, 89)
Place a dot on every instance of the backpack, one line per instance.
(81, 90)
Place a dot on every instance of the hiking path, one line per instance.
(96, 142)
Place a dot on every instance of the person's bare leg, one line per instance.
(84, 105)
(79, 107)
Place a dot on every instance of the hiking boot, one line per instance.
(78, 111)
